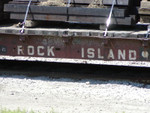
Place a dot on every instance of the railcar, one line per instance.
(121, 36)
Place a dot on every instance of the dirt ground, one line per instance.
(73, 96)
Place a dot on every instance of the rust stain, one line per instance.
(65, 47)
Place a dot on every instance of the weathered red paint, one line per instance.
(91, 48)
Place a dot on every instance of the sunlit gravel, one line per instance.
(73, 96)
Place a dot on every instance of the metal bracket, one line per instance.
(148, 31)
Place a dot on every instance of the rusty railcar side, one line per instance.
(75, 46)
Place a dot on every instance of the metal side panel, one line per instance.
(87, 50)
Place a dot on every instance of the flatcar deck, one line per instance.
(66, 32)
(122, 48)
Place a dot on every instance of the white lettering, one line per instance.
(82, 52)
(145, 54)
(50, 51)
(111, 54)
(121, 54)
(85, 53)
(39, 49)
(99, 54)
(132, 55)
(30, 50)
(91, 53)
(20, 50)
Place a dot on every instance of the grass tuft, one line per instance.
(12, 111)
(21, 111)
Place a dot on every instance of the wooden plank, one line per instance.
(63, 10)
(102, 20)
(145, 0)
(80, 19)
(144, 19)
(105, 2)
(145, 4)
(144, 11)
(39, 17)
(117, 2)
(100, 12)
(17, 8)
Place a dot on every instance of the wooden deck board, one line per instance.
(79, 19)
(20, 8)
(39, 17)
(72, 32)
(102, 20)
(99, 12)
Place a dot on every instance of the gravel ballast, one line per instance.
(73, 96)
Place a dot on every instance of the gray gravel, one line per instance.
(71, 96)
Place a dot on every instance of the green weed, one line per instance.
(21, 111)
